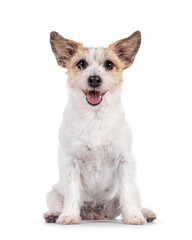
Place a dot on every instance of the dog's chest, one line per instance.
(98, 169)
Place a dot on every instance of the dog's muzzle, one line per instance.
(94, 97)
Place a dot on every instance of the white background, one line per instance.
(157, 97)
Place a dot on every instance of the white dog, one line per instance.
(95, 161)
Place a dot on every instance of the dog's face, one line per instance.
(95, 71)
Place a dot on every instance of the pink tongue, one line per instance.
(94, 97)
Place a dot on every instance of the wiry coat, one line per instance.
(95, 161)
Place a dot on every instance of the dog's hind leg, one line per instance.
(55, 205)
(148, 214)
(114, 211)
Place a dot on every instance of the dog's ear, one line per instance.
(127, 48)
(64, 49)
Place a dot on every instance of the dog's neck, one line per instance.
(94, 123)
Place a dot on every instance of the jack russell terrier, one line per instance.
(95, 161)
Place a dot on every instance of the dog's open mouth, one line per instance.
(94, 97)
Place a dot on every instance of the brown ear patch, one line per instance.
(64, 49)
(127, 48)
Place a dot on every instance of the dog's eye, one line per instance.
(82, 64)
(109, 65)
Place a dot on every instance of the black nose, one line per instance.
(94, 81)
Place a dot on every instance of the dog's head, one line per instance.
(95, 71)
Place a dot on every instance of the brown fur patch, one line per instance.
(71, 65)
(119, 65)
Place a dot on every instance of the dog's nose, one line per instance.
(94, 81)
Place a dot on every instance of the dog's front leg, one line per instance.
(129, 195)
(70, 183)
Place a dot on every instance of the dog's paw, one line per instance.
(50, 217)
(134, 218)
(68, 220)
(148, 214)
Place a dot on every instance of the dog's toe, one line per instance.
(135, 218)
(50, 217)
(148, 215)
(68, 220)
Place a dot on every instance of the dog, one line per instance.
(96, 165)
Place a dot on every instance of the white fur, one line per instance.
(95, 160)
